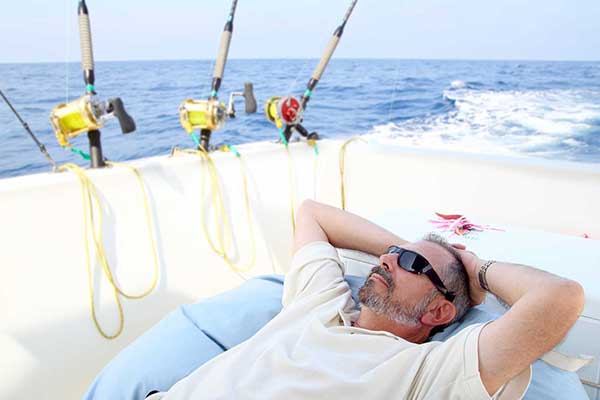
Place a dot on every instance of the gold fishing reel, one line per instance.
(198, 115)
(79, 116)
(87, 114)
(202, 115)
(210, 115)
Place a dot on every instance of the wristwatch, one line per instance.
(482, 271)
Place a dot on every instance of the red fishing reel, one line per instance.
(284, 111)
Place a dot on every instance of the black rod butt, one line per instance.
(205, 139)
(96, 156)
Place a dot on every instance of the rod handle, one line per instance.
(85, 42)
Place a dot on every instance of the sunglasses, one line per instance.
(417, 264)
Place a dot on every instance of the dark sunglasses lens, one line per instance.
(394, 250)
(407, 260)
(420, 263)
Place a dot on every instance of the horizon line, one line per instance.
(309, 58)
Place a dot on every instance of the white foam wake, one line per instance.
(544, 123)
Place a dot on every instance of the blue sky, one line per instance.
(43, 30)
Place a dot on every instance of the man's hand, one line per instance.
(472, 264)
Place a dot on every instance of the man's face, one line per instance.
(398, 294)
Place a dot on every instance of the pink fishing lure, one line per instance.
(459, 224)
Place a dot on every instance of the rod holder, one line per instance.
(205, 139)
(96, 156)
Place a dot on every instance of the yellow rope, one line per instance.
(313, 144)
(87, 207)
(224, 235)
(150, 228)
(342, 160)
(89, 197)
(216, 196)
(291, 176)
(315, 177)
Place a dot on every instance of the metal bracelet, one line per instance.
(482, 272)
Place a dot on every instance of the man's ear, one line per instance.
(439, 313)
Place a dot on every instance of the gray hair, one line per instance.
(454, 276)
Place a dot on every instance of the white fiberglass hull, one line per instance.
(48, 341)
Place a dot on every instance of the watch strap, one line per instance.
(482, 274)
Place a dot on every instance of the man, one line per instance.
(321, 346)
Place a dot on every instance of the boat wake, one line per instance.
(546, 123)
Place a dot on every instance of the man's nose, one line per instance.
(388, 261)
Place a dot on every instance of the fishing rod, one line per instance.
(26, 126)
(88, 113)
(209, 115)
(287, 112)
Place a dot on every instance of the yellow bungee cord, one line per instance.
(315, 146)
(89, 197)
(312, 143)
(342, 162)
(292, 193)
(246, 205)
(87, 206)
(224, 234)
(150, 228)
(291, 175)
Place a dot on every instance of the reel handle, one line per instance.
(249, 98)
(304, 132)
(125, 120)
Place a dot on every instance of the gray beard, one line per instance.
(386, 306)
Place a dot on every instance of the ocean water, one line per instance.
(530, 109)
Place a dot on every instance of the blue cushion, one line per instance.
(172, 349)
(187, 338)
(551, 383)
(193, 334)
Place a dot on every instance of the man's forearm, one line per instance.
(346, 230)
(510, 282)
(547, 303)
(543, 309)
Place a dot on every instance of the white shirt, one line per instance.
(311, 351)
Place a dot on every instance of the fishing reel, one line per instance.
(88, 114)
(202, 115)
(210, 115)
(283, 111)
(286, 113)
